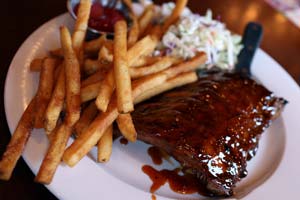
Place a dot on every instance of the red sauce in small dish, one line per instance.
(102, 18)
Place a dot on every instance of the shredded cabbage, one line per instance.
(194, 33)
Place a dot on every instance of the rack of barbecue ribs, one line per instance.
(211, 127)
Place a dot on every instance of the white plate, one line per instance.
(273, 173)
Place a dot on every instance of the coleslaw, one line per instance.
(195, 33)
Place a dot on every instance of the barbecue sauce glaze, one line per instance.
(211, 127)
(183, 184)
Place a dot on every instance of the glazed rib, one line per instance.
(212, 127)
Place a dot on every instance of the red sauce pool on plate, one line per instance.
(102, 18)
(183, 184)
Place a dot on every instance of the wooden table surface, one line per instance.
(281, 40)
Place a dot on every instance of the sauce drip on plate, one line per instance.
(156, 155)
(153, 197)
(183, 184)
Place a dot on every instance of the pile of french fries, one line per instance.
(85, 87)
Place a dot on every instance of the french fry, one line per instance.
(90, 92)
(160, 65)
(81, 25)
(57, 53)
(88, 139)
(85, 142)
(180, 80)
(56, 103)
(145, 60)
(128, 3)
(148, 30)
(105, 92)
(45, 90)
(94, 46)
(187, 66)
(146, 18)
(156, 32)
(51, 134)
(18, 141)
(121, 71)
(81, 58)
(180, 5)
(105, 54)
(126, 127)
(57, 70)
(133, 34)
(72, 73)
(90, 47)
(143, 47)
(36, 64)
(143, 84)
(105, 145)
(88, 115)
(134, 30)
(54, 154)
(96, 77)
(91, 66)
